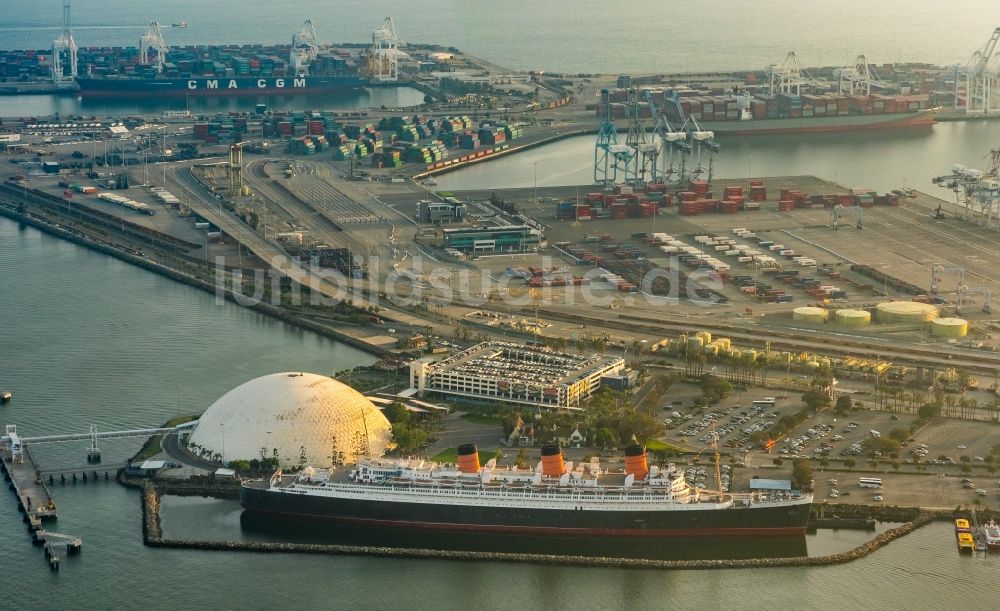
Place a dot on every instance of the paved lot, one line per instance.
(457, 431)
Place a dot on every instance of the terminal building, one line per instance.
(512, 373)
(510, 238)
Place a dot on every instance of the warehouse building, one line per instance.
(512, 373)
(510, 238)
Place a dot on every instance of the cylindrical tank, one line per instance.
(735, 353)
(810, 314)
(949, 327)
(712, 350)
(635, 461)
(905, 312)
(852, 318)
(695, 343)
(468, 458)
(705, 336)
(552, 461)
(724, 343)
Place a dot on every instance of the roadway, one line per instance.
(182, 183)
(170, 444)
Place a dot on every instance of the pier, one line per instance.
(28, 481)
(33, 497)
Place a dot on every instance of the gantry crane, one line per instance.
(644, 152)
(64, 51)
(976, 189)
(858, 78)
(383, 63)
(787, 78)
(673, 144)
(305, 48)
(153, 40)
(939, 270)
(703, 147)
(964, 291)
(978, 82)
(837, 211)
(609, 154)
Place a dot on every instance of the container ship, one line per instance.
(226, 86)
(155, 70)
(557, 498)
(741, 113)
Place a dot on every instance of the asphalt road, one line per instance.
(174, 450)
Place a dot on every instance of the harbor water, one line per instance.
(87, 338)
(519, 34)
(882, 160)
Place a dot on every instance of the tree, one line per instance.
(802, 473)
(714, 388)
(899, 434)
(604, 438)
(849, 463)
(816, 399)
(844, 405)
(882, 445)
(929, 410)
(964, 458)
(409, 439)
(777, 462)
(396, 412)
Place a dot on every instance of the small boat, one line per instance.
(180, 24)
(966, 543)
(962, 526)
(6, 396)
(991, 533)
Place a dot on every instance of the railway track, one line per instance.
(804, 340)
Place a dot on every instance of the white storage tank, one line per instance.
(949, 327)
(810, 314)
(852, 318)
(905, 312)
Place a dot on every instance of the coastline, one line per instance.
(178, 276)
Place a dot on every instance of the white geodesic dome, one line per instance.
(299, 414)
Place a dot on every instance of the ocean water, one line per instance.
(578, 36)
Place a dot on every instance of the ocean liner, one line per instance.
(555, 498)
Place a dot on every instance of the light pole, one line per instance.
(222, 425)
(535, 164)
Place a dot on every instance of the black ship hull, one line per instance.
(755, 521)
